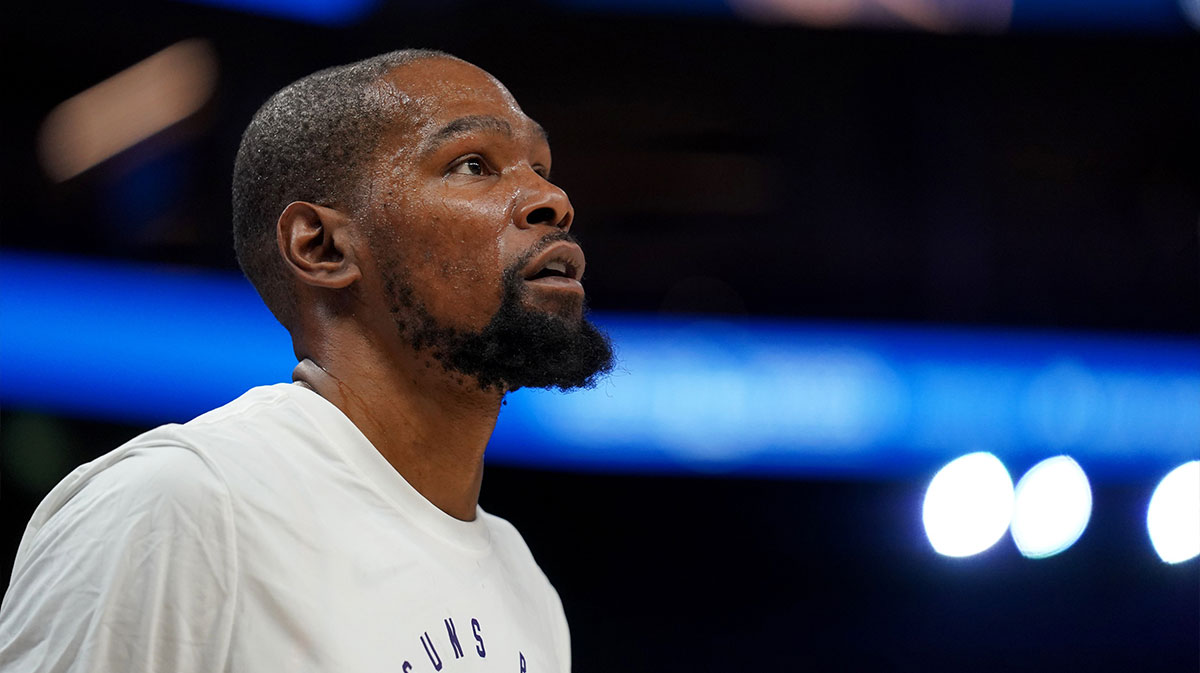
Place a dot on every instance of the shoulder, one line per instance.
(511, 546)
(259, 410)
(150, 479)
(170, 471)
(146, 501)
(130, 559)
(154, 471)
(154, 466)
(506, 539)
(207, 452)
(202, 468)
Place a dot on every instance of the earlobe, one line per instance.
(315, 245)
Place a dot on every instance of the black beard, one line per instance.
(519, 347)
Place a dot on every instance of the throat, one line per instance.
(433, 435)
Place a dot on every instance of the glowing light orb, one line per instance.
(968, 505)
(1173, 518)
(1051, 508)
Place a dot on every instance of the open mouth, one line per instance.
(560, 264)
(556, 269)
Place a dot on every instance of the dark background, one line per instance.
(1036, 179)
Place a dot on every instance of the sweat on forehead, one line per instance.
(427, 87)
(435, 101)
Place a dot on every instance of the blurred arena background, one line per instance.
(842, 245)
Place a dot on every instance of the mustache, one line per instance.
(546, 241)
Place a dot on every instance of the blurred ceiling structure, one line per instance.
(1033, 179)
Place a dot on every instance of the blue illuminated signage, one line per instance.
(155, 344)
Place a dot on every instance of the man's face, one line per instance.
(470, 239)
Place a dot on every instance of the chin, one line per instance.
(569, 306)
(538, 338)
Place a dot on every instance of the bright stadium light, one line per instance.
(1174, 514)
(968, 505)
(1051, 508)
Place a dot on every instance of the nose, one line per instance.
(544, 204)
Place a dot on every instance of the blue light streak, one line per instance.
(157, 344)
(326, 12)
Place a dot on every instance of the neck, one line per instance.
(431, 425)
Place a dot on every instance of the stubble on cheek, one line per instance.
(445, 241)
(457, 270)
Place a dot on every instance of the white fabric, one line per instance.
(269, 535)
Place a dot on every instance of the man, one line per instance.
(398, 218)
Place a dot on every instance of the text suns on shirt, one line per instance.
(453, 646)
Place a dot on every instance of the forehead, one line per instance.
(432, 93)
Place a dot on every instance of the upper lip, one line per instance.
(568, 253)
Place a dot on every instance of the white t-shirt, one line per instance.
(269, 535)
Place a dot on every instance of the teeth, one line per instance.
(557, 266)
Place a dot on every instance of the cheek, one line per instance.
(465, 240)
(460, 260)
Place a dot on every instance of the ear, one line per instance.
(317, 245)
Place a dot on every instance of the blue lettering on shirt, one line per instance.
(431, 652)
(475, 628)
(454, 644)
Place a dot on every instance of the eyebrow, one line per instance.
(474, 124)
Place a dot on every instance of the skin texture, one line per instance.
(456, 193)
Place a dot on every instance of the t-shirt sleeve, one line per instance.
(127, 567)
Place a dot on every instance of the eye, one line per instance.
(542, 171)
(470, 166)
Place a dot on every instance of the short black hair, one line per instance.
(308, 142)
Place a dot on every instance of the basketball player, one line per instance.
(398, 217)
